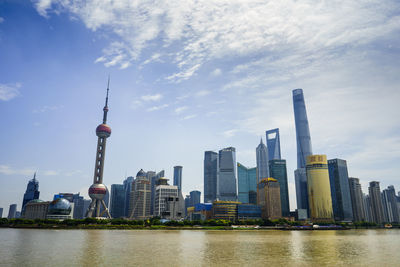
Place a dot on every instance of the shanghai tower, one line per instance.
(303, 140)
(98, 190)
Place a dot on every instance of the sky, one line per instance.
(189, 76)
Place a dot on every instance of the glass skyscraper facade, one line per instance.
(153, 184)
(178, 177)
(117, 209)
(376, 202)
(247, 184)
(262, 161)
(278, 171)
(300, 178)
(194, 197)
(273, 144)
(32, 192)
(357, 201)
(210, 176)
(340, 191)
(127, 189)
(226, 179)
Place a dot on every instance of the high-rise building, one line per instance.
(79, 206)
(262, 161)
(357, 201)
(31, 193)
(154, 182)
(340, 192)
(269, 199)
(187, 203)
(127, 189)
(247, 184)
(300, 178)
(140, 197)
(98, 190)
(117, 201)
(12, 211)
(1, 212)
(367, 208)
(210, 176)
(277, 170)
(178, 177)
(391, 204)
(319, 191)
(194, 197)
(273, 144)
(376, 202)
(226, 180)
(165, 193)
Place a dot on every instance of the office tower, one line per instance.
(164, 191)
(98, 190)
(194, 197)
(86, 204)
(273, 144)
(210, 176)
(79, 206)
(154, 181)
(391, 204)
(386, 207)
(117, 207)
(376, 202)
(300, 178)
(357, 201)
(31, 193)
(140, 197)
(178, 177)
(277, 170)
(187, 203)
(226, 180)
(12, 211)
(367, 208)
(127, 189)
(247, 184)
(340, 192)
(319, 191)
(36, 209)
(1, 212)
(269, 199)
(262, 161)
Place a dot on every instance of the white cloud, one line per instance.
(179, 110)
(229, 133)
(203, 93)
(217, 72)
(5, 169)
(1, 19)
(188, 117)
(155, 97)
(9, 91)
(48, 108)
(155, 108)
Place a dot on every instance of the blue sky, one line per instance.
(189, 76)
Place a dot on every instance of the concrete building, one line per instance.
(367, 208)
(340, 191)
(31, 193)
(277, 170)
(269, 199)
(1, 212)
(210, 176)
(140, 197)
(164, 192)
(225, 210)
(117, 201)
(226, 179)
(376, 202)
(391, 204)
(127, 189)
(12, 211)
(319, 191)
(36, 209)
(247, 184)
(154, 182)
(262, 162)
(178, 177)
(273, 144)
(357, 201)
(172, 209)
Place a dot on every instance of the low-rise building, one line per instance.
(36, 209)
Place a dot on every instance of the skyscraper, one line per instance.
(277, 170)
(1, 212)
(319, 191)
(391, 197)
(178, 177)
(165, 192)
(31, 193)
(117, 201)
(247, 184)
(357, 201)
(12, 211)
(262, 161)
(304, 149)
(273, 144)
(376, 202)
(194, 197)
(98, 190)
(210, 176)
(340, 192)
(140, 197)
(127, 188)
(153, 184)
(226, 180)
(269, 199)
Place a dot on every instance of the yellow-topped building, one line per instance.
(319, 190)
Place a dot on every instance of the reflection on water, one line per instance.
(28, 247)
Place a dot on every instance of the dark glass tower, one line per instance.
(117, 201)
(178, 177)
(210, 176)
(273, 144)
(376, 202)
(226, 180)
(277, 169)
(357, 200)
(194, 197)
(31, 193)
(262, 162)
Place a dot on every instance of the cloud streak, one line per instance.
(9, 91)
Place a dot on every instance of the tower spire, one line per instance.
(105, 109)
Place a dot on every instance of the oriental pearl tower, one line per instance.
(98, 190)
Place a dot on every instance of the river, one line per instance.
(33, 247)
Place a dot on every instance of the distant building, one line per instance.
(391, 204)
(319, 191)
(248, 212)
(12, 211)
(367, 208)
(357, 201)
(340, 191)
(79, 206)
(36, 209)
(226, 180)
(300, 178)
(225, 210)
(187, 203)
(195, 197)
(178, 177)
(262, 162)
(164, 192)
(140, 197)
(117, 201)
(210, 176)
(269, 199)
(127, 188)
(172, 209)
(277, 170)
(200, 212)
(31, 193)
(273, 144)
(376, 202)
(247, 184)
(60, 209)
(1, 212)
(154, 181)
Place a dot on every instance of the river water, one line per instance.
(32, 247)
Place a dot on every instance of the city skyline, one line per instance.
(155, 119)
